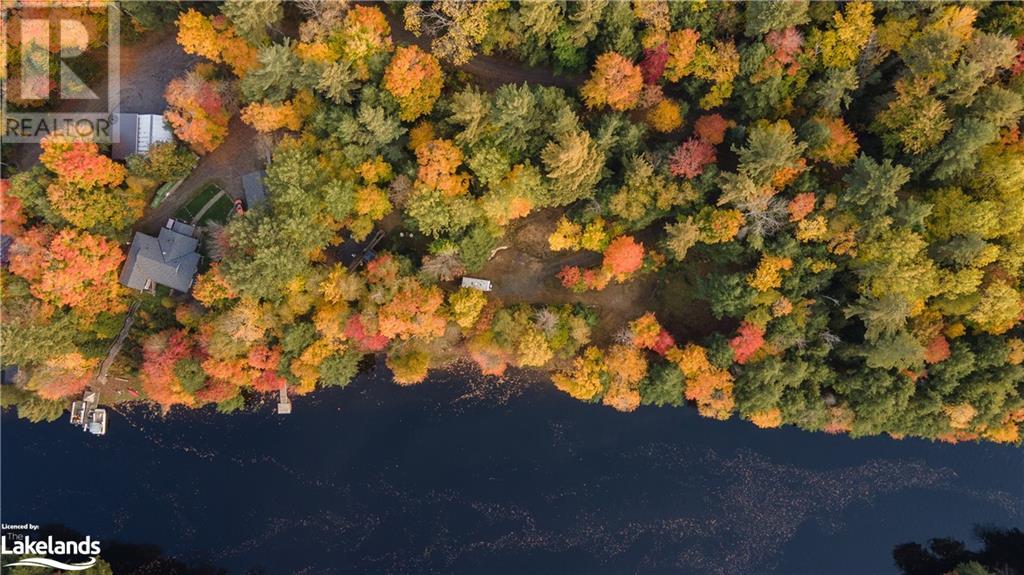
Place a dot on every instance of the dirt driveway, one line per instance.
(146, 68)
(157, 62)
(225, 166)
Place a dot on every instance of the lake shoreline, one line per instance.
(452, 463)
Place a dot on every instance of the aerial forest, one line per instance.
(789, 212)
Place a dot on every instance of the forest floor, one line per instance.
(526, 272)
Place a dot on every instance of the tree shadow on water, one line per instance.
(1001, 553)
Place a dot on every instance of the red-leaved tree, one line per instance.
(653, 64)
(748, 340)
(160, 353)
(690, 158)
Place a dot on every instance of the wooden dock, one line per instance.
(284, 405)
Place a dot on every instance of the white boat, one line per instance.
(78, 409)
(98, 422)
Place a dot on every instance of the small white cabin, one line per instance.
(476, 283)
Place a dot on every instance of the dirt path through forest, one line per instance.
(490, 71)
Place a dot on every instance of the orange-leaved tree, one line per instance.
(70, 268)
(415, 310)
(707, 385)
(623, 257)
(415, 79)
(615, 82)
(267, 117)
(199, 109)
(78, 162)
(215, 39)
(438, 162)
(626, 366)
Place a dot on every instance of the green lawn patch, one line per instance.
(218, 212)
(188, 212)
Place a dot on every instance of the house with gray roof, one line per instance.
(170, 259)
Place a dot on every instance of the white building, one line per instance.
(475, 283)
(137, 132)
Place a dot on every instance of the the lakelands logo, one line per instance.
(50, 546)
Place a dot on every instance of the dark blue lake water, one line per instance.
(456, 477)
